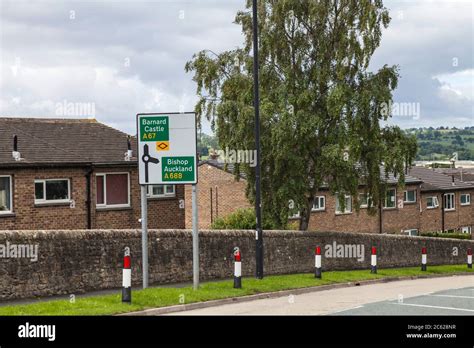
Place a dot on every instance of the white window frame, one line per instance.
(453, 198)
(11, 195)
(468, 200)
(164, 195)
(321, 208)
(363, 206)
(435, 201)
(405, 196)
(394, 202)
(105, 205)
(411, 232)
(52, 201)
(466, 229)
(339, 212)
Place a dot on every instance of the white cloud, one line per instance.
(128, 56)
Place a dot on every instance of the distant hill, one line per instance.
(434, 143)
(440, 143)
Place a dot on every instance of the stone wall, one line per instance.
(71, 262)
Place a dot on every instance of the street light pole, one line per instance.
(258, 210)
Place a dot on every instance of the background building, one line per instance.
(76, 174)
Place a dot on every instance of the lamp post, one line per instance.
(258, 210)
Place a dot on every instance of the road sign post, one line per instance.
(167, 156)
(195, 240)
(256, 101)
(144, 206)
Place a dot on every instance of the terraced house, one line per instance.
(430, 201)
(445, 201)
(76, 174)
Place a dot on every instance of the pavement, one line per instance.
(453, 295)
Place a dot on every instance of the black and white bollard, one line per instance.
(127, 278)
(423, 259)
(317, 263)
(237, 269)
(373, 261)
(469, 258)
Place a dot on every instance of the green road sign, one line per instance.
(167, 148)
(154, 128)
(177, 168)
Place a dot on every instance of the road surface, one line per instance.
(433, 296)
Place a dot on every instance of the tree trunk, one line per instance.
(305, 215)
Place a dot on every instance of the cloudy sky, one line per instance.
(119, 58)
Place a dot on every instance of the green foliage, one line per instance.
(447, 235)
(205, 143)
(241, 219)
(321, 108)
(441, 144)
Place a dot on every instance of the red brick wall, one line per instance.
(405, 217)
(30, 216)
(462, 216)
(395, 220)
(162, 213)
(230, 195)
(327, 220)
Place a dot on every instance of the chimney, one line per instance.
(460, 171)
(129, 153)
(15, 154)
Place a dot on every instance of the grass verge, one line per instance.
(162, 297)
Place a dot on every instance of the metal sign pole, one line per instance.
(144, 235)
(258, 207)
(195, 239)
(167, 156)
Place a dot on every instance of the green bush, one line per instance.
(241, 219)
(447, 235)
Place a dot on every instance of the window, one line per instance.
(409, 196)
(113, 190)
(5, 194)
(466, 229)
(158, 191)
(52, 191)
(449, 201)
(347, 205)
(364, 200)
(465, 199)
(412, 232)
(390, 198)
(319, 203)
(432, 202)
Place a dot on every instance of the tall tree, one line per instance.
(321, 107)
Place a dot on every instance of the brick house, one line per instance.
(398, 214)
(411, 210)
(76, 174)
(445, 202)
(219, 194)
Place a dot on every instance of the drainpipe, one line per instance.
(89, 197)
(212, 217)
(217, 204)
(380, 218)
(442, 212)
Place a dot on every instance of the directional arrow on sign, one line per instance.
(146, 158)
